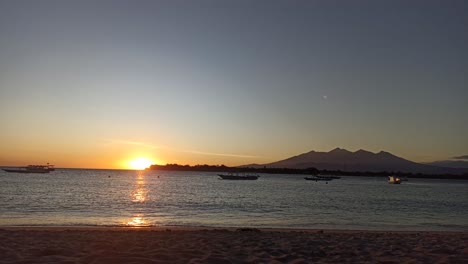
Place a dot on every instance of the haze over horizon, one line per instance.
(89, 84)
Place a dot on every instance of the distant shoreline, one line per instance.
(281, 171)
(309, 171)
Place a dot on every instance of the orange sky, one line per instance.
(110, 154)
(119, 154)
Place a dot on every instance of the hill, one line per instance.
(361, 160)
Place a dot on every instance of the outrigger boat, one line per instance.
(231, 176)
(334, 177)
(329, 176)
(32, 169)
(318, 178)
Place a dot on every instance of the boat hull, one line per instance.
(236, 177)
(25, 171)
(318, 179)
(395, 182)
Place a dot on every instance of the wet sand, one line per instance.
(198, 245)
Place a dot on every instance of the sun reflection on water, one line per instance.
(137, 220)
(140, 194)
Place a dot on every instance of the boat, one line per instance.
(394, 180)
(231, 176)
(32, 169)
(329, 176)
(318, 178)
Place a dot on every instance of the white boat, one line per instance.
(394, 180)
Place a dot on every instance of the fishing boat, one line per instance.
(318, 178)
(32, 169)
(394, 180)
(231, 176)
(329, 176)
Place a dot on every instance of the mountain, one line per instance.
(361, 160)
(460, 164)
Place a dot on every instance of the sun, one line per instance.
(140, 163)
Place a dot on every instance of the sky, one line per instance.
(96, 84)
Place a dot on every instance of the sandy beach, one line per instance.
(196, 245)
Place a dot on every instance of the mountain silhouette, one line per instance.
(461, 164)
(361, 160)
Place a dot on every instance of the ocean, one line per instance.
(75, 197)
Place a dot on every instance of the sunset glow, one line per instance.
(137, 221)
(140, 163)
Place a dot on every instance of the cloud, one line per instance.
(143, 144)
(137, 143)
(461, 157)
(219, 154)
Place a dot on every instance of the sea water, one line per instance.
(72, 197)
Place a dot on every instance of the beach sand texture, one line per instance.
(62, 245)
